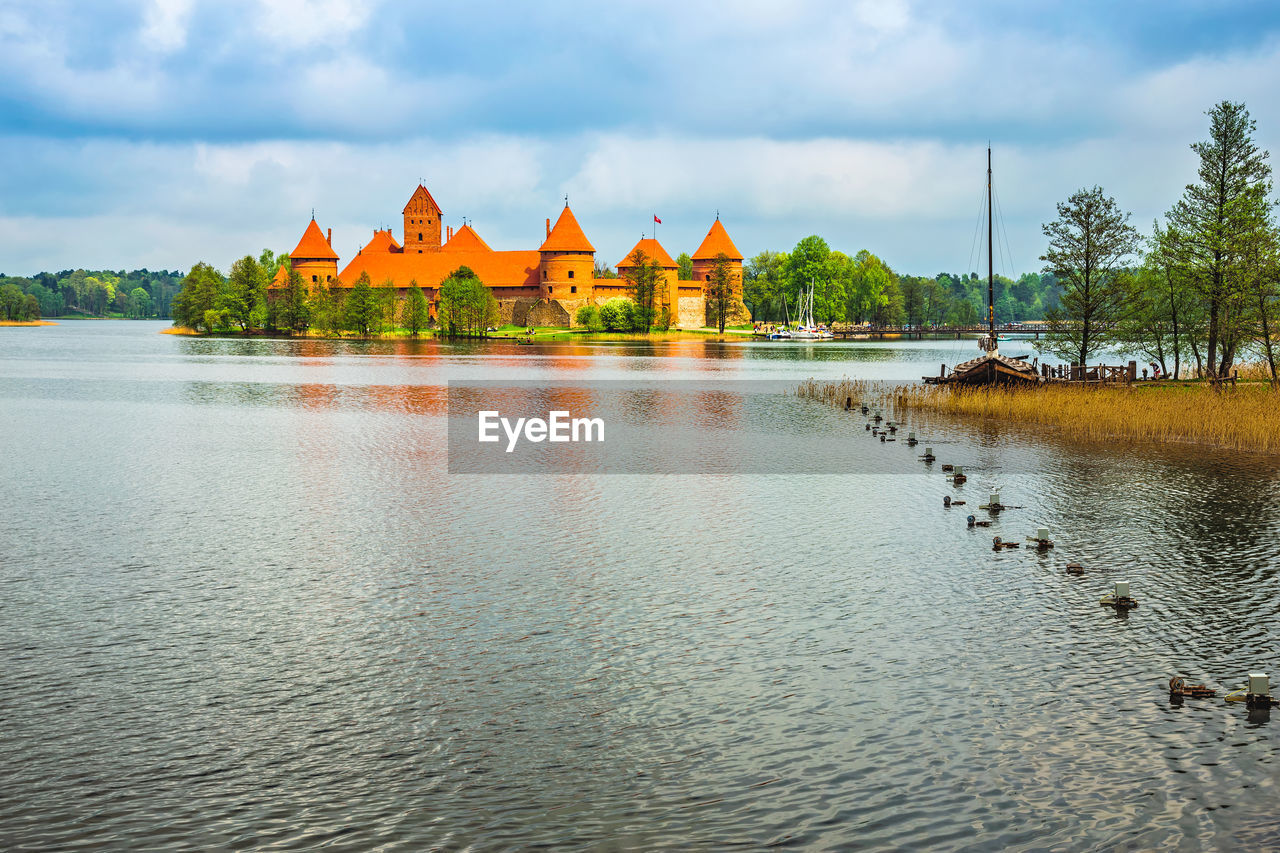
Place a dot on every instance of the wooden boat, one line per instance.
(991, 368)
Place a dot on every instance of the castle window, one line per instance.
(419, 236)
(544, 275)
(574, 288)
(708, 278)
(314, 279)
(548, 289)
(570, 273)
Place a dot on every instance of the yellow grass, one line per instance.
(27, 323)
(178, 330)
(1246, 417)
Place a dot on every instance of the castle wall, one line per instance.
(693, 312)
(537, 312)
(567, 275)
(316, 272)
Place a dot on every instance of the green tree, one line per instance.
(913, 300)
(11, 297)
(962, 313)
(1217, 221)
(293, 305)
(245, 296)
(806, 265)
(1089, 244)
(684, 266)
(588, 316)
(196, 304)
(618, 315)
(390, 306)
(870, 292)
(139, 303)
(645, 278)
(49, 300)
(413, 315)
(362, 308)
(720, 289)
(467, 306)
(328, 306)
(270, 262)
(762, 286)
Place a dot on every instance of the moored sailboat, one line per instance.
(991, 368)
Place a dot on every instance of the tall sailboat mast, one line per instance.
(991, 277)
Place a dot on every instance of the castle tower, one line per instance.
(421, 223)
(667, 293)
(314, 258)
(567, 266)
(715, 243)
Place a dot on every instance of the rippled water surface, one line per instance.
(243, 604)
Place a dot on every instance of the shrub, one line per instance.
(618, 315)
(588, 316)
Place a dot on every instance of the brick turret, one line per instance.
(567, 267)
(421, 223)
(717, 242)
(314, 258)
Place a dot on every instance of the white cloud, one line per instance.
(913, 202)
(306, 23)
(164, 24)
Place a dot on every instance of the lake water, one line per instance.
(244, 604)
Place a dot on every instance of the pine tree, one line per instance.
(1089, 244)
(414, 312)
(1216, 222)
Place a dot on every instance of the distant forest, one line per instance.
(862, 288)
(140, 294)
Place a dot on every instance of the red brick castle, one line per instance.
(543, 286)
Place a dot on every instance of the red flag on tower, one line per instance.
(656, 219)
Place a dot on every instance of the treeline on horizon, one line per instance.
(140, 294)
(1200, 291)
(864, 289)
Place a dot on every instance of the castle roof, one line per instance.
(382, 242)
(567, 235)
(652, 250)
(428, 269)
(716, 242)
(313, 246)
(465, 239)
(419, 193)
(281, 278)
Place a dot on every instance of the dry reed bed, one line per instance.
(1245, 418)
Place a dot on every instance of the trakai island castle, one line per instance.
(535, 287)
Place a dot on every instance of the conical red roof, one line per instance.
(567, 236)
(313, 245)
(652, 250)
(465, 239)
(716, 242)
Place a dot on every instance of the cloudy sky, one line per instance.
(155, 133)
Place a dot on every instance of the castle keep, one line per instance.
(543, 286)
